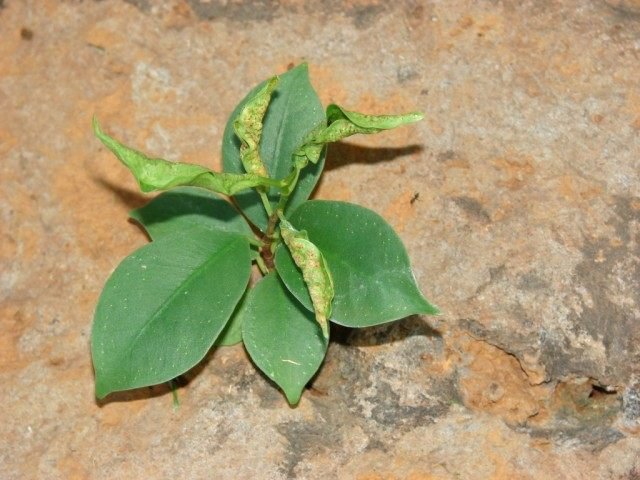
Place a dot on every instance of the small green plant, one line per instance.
(168, 303)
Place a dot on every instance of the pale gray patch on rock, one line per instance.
(305, 438)
(595, 438)
(533, 282)
(631, 403)
(406, 73)
(473, 208)
(366, 15)
(142, 5)
(243, 11)
(604, 319)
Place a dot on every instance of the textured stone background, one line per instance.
(525, 233)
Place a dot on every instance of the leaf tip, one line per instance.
(416, 116)
(97, 131)
(293, 396)
(272, 83)
(325, 329)
(101, 390)
(431, 309)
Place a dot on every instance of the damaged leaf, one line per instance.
(193, 287)
(344, 123)
(294, 111)
(363, 123)
(312, 147)
(158, 174)
(248, 128)
(315, 272)
(370, 267)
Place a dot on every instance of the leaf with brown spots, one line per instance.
(315, 271)
(157, 174)
(344, 123)
(248, 128)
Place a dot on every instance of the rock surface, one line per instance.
(525, 233)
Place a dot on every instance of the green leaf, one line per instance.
(344, 123)
(157, 174)
(294, 111)
(371, 273)
(314, 269)
(370, 123)
(248, 128)
(282, 337)
(186, 207)
(232, 333)
(164, 306)
(312, 147)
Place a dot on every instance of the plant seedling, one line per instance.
(167, 304)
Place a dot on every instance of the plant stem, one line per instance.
(254, 241)
(241, 212)
(266, 203)
(174, 393)
(282, 203)
(265, 261)
(271, 226)
(261, 265)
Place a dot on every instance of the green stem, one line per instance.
(273, 222)
(261, 265)
(174, 393)
(265, 262)
(266, 203)
(254, 241)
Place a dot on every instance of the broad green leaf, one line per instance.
(314, 269)
(157, 174)
(282, 337)
(294, 111)
(232, 333)
(248, 128)
(344, 123)
(371, 273)
(164, 306)
(186, 207)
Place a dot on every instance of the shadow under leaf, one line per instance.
(340, 154)
(129, 198)
(159, 390)
(387, 333)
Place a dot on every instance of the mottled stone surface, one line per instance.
(525, 232)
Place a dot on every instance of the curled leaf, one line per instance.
(344, 123)
(370, 123)
(248, 128)
(295, 109)
(315, 271)
(311, 149)
(157, 174)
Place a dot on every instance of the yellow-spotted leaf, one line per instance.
(294, 111)
(248, 128)
(314, 269)
(158, 174)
